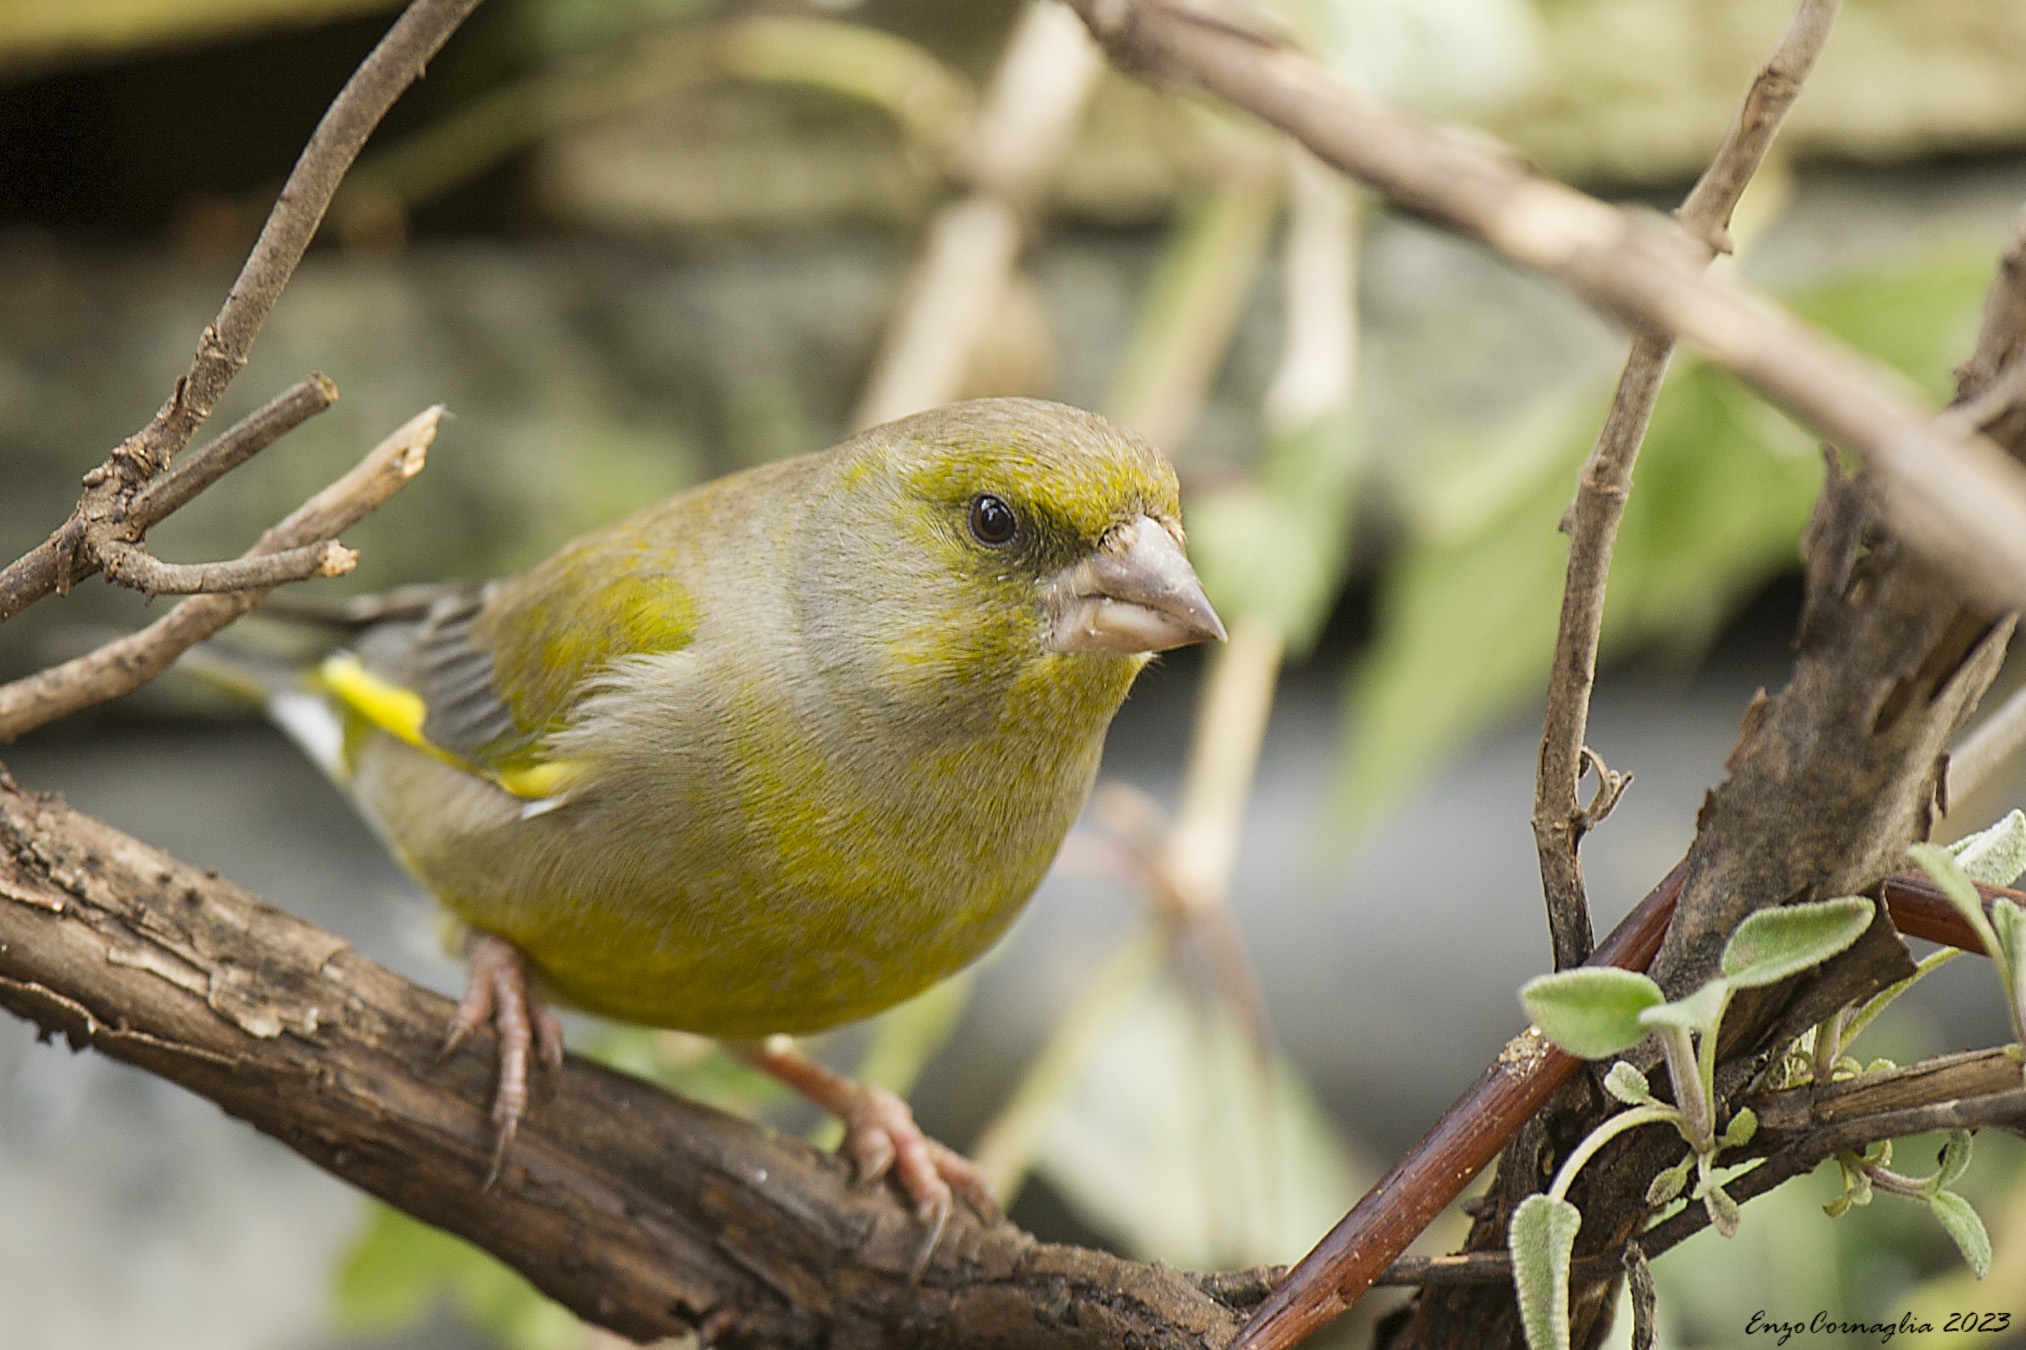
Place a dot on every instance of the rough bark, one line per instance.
(638, 1210)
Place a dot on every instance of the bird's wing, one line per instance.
(490, 670)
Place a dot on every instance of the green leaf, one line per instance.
(1964, 1228)
(1629, 1085)
(1958, 888)
(1698, 1012)
(1776, 943)
(1743, 1126)
(1591, 1012)
(1724, 485)
(1277, 545)
(1542, 1238)
(1995, 855)
(1669, 1182)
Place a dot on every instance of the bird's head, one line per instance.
(1017, 540)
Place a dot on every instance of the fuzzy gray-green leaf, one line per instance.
(1995, 856)
(1542, 1238)
(1669, 1182)
(1698, 1012)
(1723, 1211)
(1628, 1085)
(1964, 1228)
(1776, 943)
(1591, 1012)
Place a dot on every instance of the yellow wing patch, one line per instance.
(399, 711)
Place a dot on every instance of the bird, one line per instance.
(776, 753)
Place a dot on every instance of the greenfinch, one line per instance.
(778, 752)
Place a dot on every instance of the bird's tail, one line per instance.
(282, 689)
(289, 683)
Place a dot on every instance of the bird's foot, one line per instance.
(881, 1137)
(498, 991)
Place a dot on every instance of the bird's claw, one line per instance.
(880, 1136)
(498, 991)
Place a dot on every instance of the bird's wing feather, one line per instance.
(491, 669)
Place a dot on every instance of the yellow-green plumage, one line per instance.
(815, 743)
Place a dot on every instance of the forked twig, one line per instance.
(129, 662)
(1559, 822)
(105, 518)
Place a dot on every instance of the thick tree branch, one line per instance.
(127, 663)
(1956, 499)
(104, 515)
(1559, 820)
(641, 1212)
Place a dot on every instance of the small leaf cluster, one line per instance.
(1994, 856)
(1866, 1173)
(1597, 1012)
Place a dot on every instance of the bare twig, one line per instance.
(1957, 499)
(637, 1210)
(1559, 822)
(129, 662)
(102, 515)
(246, 438)
(132, 565)
(947, 304)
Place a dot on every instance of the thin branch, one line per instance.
(129, 662)
(1558, 820)
(132, 565)
(246, 438)
(71, 553)
(1957, 499)
(635, 1209)
(1366, 1241)
(394, 64)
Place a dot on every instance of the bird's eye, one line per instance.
(992, 521)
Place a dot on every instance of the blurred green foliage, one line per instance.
(1722, 488)
(1278, 543)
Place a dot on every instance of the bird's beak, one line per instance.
(1137, 593)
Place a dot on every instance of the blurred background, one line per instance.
(633, 244)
